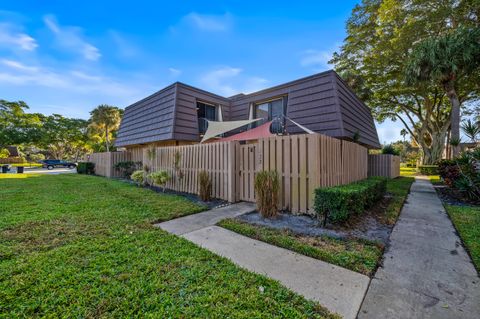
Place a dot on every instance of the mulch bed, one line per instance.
(370, 225)
(451, 196)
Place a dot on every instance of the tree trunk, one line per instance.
(433, 153)
(106, 138)
(454, 117)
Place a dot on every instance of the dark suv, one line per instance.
(51, 164)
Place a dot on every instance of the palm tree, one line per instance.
(471, 129)
(403, 132)
(445, 60)
(106, 118)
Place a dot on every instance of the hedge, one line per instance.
(428, 169)
(337, 204)
(86, 168)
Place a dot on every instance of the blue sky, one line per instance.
(67, 57)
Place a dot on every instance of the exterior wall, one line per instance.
(356, 116)
(148, 120)
(186, 121)
(322, 103)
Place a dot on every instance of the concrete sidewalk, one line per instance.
(339, 290)
(211, 217)
(426, 272)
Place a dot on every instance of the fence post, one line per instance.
(232, 172)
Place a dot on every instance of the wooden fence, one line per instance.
(12, 160)
(303, 162)
(217, 159)
(383, 165)
(105, 162)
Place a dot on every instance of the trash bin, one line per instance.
(20, 170)
(4, 169)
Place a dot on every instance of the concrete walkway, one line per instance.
(426, 272)
(338, 289)
(187, 224)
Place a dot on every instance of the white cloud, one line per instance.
(71, 39)
(18, 66)
(228, 81)
(174, 72)
(211, 23)
(11, 38)
(317, 59)
(19, 74)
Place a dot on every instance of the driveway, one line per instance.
(55, 171)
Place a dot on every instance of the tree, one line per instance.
(446, 60)
(64, 137)
(107, 119)
(373, 57)
(471, 129)
(403, 132)
(16, 126)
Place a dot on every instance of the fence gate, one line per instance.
(247, 168)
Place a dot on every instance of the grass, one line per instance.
(408, 171)
(412, 171)
(467, 222)
(398, 188)
(84, 246)
(357, 255)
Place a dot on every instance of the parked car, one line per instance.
(51, 164)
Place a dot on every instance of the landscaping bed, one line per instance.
(84, 246)
(366, 233)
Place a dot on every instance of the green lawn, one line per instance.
(83, 246)
(467, 222)
(399, 188)
(356, 255)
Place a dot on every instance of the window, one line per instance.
(272, 110)
(205, 112)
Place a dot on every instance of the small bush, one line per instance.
(428, 169)
(127, 167)
(267, 187)
(86, 168)
(205, 186)
(138, 177)
(160, 178)
(390, 149)
(337, 204)
(449, 171)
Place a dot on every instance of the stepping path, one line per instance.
(187, 224)
(339, 290)
(426, 272)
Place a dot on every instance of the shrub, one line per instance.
(159, 178)
(127, 167)
(338, 203)
(389, 149)
(138, 177)
(86, 168)
(428, 169)
(204, 186)
(267, 186)
(448, 171)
